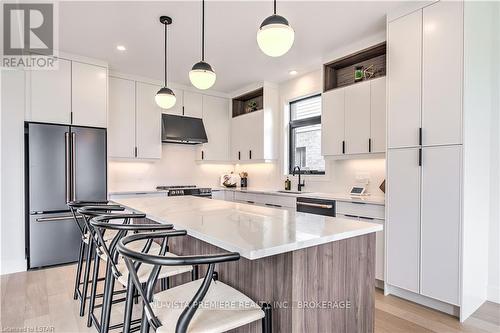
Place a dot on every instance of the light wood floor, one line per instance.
(44, 299)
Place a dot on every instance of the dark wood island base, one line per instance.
(325, 288)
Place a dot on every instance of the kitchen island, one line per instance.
(316, 271)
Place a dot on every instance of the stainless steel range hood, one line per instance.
(182, 129)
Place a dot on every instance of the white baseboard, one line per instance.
(423, 300)
(12, 266)
(494, 294)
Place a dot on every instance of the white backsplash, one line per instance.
(341, 175)
(176, 167)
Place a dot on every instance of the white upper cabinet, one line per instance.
(121, 127)
(89, 94)
(75, 93)
(216, 122)
(254, 133)
(441, 213)
(238, 138)
(403, 218)
(177, 108)
(134, 120)
(442, 73)
(49, 94)
(357, 118)
(248, 137)
(332, 122)
(148, 121)
(353, 119)
(377, 115)
(404, 50)
(254, 138)
(193, 104)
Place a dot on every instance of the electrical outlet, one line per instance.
(363, 178)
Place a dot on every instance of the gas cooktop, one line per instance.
(177, 190)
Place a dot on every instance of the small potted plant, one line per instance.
(251, 106)
(244, 179)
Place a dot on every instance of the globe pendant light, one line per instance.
(275, 36)
(202, 76)
(165, 97)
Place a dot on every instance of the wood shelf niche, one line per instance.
(340, 72)
(240, 103)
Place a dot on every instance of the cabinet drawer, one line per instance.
(277, 200)
(245, 197)
(361, 209)
(346, 216)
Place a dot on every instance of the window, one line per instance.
(305, 136)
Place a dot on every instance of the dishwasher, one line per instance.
(316, 206)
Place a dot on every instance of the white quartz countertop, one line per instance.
(369, 199)
(253, 231)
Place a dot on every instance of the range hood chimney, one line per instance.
(182, 129)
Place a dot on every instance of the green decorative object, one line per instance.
(251, 106)
(358, 73)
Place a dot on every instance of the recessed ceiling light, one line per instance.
(121, 48)
(293, 72)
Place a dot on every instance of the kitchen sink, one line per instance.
(292, 192)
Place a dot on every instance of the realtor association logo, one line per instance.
(28, 35)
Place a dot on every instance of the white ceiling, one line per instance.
(94, 29)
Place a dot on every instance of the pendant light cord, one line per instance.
(202, 30)
(165, 55)
(274, 7)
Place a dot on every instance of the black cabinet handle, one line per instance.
(420, 157)
(351, 216)
(420, 136)
(370, 145)
(202, 155)
(343, 147)
(239, 155)
(273, 205)
(250, 154)
(135, 151)
(358, 203)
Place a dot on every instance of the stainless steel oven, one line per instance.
(316, 206)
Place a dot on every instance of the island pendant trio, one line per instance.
(274, 37)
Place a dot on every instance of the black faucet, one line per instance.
(300, 185)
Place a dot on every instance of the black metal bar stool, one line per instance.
(178, 309)
(73, 205)
(116, 270)
(84, 246)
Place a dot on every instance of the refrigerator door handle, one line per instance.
(73, 165)
(67, 167)
(57, 218)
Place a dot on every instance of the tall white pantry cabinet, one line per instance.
(437, 208)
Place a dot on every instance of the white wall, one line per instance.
(12, 172)
(494, 234)
(176, 167)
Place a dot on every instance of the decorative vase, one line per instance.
(244, 182)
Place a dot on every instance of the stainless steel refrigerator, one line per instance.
(63, 163)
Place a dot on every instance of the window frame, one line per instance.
(292, 125)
